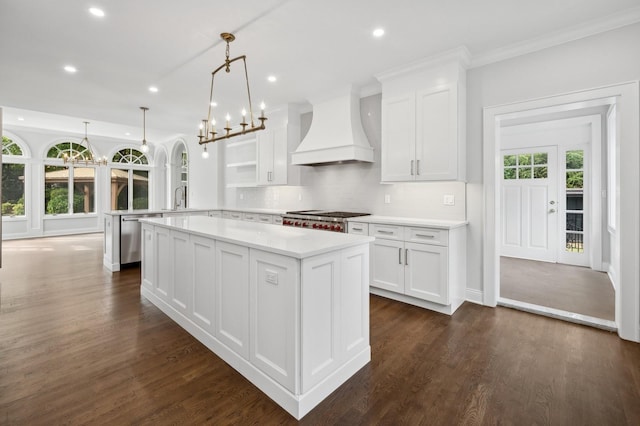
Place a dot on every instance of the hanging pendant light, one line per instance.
(207, 128)
(90, 159)
(144, 148)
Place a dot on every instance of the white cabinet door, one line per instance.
(265, 157)
(274, 289)
(181, 271)
(437, 135)
(272, 157)
(148, 264)
(387, 265)
(204, 273)
(398, 138)
(426, 272)
(232, 296)
(164, 273)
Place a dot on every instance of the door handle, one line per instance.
(552, 210)
(417, 167)
(399, 256)
(411, 167)
(406, 256)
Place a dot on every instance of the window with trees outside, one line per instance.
(130, 180)
(69, 189)
(13, 178)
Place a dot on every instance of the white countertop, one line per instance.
(253, 210)
(159, 211)
(409, 221)
(285, 240)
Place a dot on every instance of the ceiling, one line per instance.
(312, 47)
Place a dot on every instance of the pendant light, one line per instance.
(90, 159)
(144, 148)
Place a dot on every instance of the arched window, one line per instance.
(13, 178)
(130, 156)
(69, 188)
(129, 180)
(71, 149)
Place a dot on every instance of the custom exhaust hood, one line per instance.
(336, 134)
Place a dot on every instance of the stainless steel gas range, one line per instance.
(319, 219)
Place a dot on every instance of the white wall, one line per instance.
(356, 186)
(599, 60)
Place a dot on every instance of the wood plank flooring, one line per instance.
(80, 346)
(554, 285)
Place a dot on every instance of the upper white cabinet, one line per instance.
(272, 157)
(264, 159)
(423, 121)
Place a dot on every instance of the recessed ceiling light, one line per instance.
(70, 69)
(214, 104)
(153, 89)
(272, 78)
(20, 118)
(378, 32)
(127, 134)
(96, 12)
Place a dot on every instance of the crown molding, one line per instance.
(589, 28)
(459, 54)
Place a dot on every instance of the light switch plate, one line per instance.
(387, 199)
(449, 200)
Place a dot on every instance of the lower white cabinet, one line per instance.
(204, 278)
(422, 266)
(232, 296)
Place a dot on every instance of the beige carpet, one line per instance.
(569, 288)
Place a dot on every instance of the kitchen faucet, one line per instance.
(178, 202)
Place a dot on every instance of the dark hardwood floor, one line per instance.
(80, 346)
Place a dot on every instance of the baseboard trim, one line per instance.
(475, 296)
(558, 314)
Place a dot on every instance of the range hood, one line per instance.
(336, 134)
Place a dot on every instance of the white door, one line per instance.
(399, 138)
(530, 203)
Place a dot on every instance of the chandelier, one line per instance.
(86, 159)
(208, 131)
(144, 147)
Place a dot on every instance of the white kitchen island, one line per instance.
(288, 308)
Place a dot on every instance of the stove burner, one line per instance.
(319, 219)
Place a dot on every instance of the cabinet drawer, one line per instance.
(358, 228)
(277, 220)
(264, 218)
(390, 232)
(250, 217)
(434, 236)
(215, 213)
(234, 215)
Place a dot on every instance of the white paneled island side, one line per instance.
(287, 308)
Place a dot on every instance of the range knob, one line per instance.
(333, 227)
(315, 225)
(338, 228)
(305, 224)
(325, 226)
(297, 224)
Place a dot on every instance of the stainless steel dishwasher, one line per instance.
(131, 238)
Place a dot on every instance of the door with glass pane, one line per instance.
(574, 241)
(529, 203)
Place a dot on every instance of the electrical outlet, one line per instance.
(449, 200)
(271, 277)
(241, 196)
(300, 197)
(387, 199)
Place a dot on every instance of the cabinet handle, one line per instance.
(400, 256)
(425, 236)
(380, 231)
(406, 256)
(357, 229)
(411, 167)
(417, 167)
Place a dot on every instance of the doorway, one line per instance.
(550, 218)
(622, 267)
